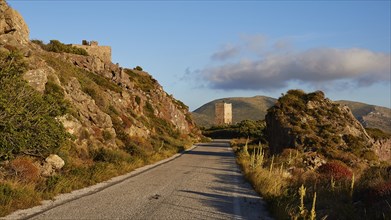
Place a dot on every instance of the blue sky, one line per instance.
(203, 50)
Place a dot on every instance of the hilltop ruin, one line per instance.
(93, 49)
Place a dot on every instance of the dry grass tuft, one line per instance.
(25, 170)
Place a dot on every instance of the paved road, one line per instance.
(204, 183)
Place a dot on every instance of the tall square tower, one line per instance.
(223, 113)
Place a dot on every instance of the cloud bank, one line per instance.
(324, 66)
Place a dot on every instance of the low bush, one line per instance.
(139, 68)
(27, 118)
(336, 169)
(58, 47)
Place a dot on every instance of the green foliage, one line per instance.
(149, 109)
(66, 71)
(143, 81)
(58, 47)
(249, 128)
(6, 194)
(139, 68)
(27, 118)
(138, 100)
(243, 129)
(54, 96)
(11, 65)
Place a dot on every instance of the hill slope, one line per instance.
(370, 116)
(255, 108)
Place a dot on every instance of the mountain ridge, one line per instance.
(255, 108)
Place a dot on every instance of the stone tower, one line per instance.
(223, 113)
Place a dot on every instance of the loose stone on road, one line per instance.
(204, 183)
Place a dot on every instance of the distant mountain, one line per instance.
(371, 116)
(255, 108)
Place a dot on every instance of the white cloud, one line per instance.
(314, 66)
(226, 52)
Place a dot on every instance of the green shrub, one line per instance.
(142, 80)
(138, 100)
(6, 194)
(27, 118)
(54, 95)
(58, 47)
(243, 129)
(107, 135)
(139, 68)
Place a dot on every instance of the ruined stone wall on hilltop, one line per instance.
(101, 52)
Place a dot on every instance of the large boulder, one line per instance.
(311, 122)
(52, 164)
(13, 30)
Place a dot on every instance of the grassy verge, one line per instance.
(22, 187)
(332, 191)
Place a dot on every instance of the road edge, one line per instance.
(68, 197)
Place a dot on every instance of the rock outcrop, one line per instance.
(13, 29)
(382, 148)
(311, 122)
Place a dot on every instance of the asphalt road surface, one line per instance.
(204, 183)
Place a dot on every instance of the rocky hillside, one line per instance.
(255, 108)
(311, 122)
(69, 119)
(98, 104)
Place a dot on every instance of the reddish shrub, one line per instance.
(336, 169)
(24, 169)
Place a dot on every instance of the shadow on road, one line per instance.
(222, 202)
(233, 196)
(209, 153)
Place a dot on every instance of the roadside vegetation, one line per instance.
(30, 131)
(312, 184)
(289, 186)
